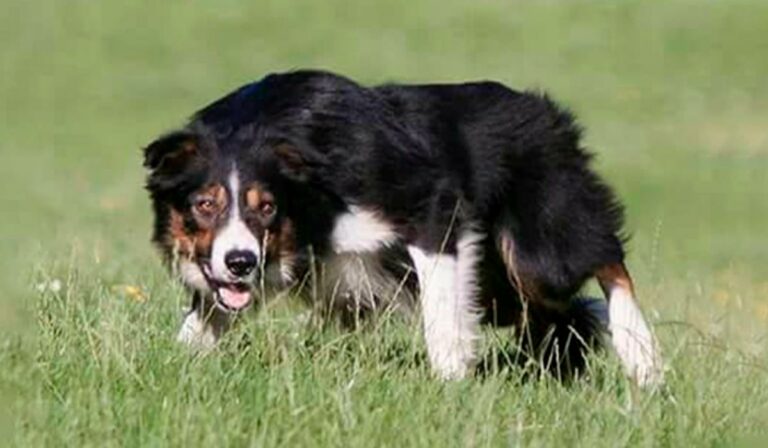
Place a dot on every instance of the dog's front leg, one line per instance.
(203, 325)
(632, 337)
(449, 315)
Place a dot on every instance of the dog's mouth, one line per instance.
(229, 296)
(233, 296)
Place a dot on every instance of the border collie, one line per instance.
(483, 193)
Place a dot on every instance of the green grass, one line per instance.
(674, 99)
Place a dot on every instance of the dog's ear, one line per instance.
(171, 152)
(293, 162)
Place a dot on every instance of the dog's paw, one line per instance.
(639, 353)
(196, 334)
(451, 358)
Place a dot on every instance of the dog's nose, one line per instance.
(240, 262)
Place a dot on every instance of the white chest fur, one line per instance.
(360, 230)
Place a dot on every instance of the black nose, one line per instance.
(240, 262)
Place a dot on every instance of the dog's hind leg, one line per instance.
(631, 335)
(450, 316)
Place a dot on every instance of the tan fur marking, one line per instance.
(203, 242)
(525, 287)
(290, 156)
(189, 148)
(614, 275)
(179, 240)
(253, 197)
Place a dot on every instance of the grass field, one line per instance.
(675, 101)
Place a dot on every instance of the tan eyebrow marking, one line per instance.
(253, 197)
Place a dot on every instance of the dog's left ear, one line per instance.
(294, 163)
(171, 151)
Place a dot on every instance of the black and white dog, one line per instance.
(484, 193)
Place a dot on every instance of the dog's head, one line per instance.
(220, 217)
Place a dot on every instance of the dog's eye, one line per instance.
(205, 205)
(267, 208)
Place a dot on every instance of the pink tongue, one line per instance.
(233, 298)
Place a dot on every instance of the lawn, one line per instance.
(674, 99)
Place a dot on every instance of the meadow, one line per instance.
(674, 100)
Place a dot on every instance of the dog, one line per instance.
(483, 196)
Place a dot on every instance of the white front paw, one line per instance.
(640, 356)
(633, 340)
(451, 358)
(195, 333)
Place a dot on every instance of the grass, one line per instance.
(674, 99)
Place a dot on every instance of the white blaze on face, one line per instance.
(234, 236)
